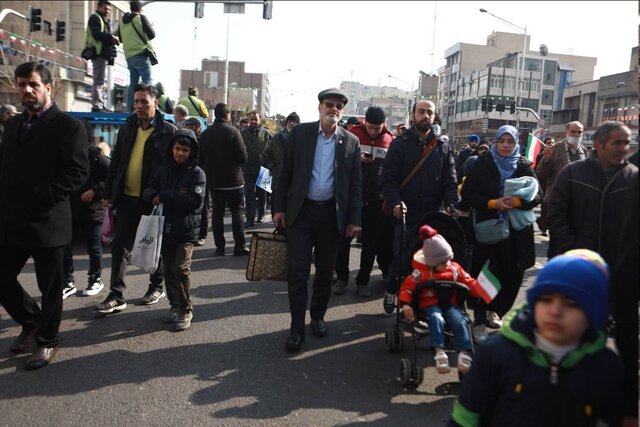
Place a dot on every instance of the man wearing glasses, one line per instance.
(318, 198)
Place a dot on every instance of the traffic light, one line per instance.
(484, 104)
(199, 12)
(500, 107)
(489, 105)
(61, 27)
(267, 9)
(512, 108)
(35, 22)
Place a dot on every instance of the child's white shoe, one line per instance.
(442, 363)
(464, 362)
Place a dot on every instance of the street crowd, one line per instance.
(547, 365)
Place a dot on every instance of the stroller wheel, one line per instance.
(393, 339)
(405, 372)
(417, 373)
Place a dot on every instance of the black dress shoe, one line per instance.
(220, 252)
(41, 357)
(22, 341)
(318, 327)
(241, 251)
(294, 341)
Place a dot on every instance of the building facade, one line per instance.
(246, 91)
(495, 72)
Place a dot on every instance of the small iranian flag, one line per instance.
(534, 146)
(489, 284)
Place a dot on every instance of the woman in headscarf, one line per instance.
(483, 191)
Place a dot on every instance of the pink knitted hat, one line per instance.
(435, 248)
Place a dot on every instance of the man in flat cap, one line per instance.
(318, 198)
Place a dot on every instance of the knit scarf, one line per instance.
(506, 165)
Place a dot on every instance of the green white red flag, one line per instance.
(489, 284)
(534, 147)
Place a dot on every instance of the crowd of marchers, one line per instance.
(393, 191)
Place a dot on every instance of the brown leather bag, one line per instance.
(387, 210)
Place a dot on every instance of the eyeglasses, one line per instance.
(330, 104)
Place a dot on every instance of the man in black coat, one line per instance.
(318, 198)
(43, 159)
(139, 152)
(222, 154)
(431, 188)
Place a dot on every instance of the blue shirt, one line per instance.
(322, 175)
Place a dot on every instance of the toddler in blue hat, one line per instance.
(549, 364)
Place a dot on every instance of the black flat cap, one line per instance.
(333, 93)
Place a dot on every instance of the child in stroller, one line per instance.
(433, 262)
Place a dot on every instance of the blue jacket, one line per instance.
(181, 189)
(431, 188)
(513, 383)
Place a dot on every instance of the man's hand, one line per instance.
(353, 230)
(278, 220)
(115, 41)
(88, 196)
(155, 201)
(106, 203)
(364, 158)
(400, 209)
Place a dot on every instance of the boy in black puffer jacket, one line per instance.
(549, 365)
(180, 187)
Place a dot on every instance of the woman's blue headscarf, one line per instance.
(506, 165)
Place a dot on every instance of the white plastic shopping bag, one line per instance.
(146, 247)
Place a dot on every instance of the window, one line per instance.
(496, 81)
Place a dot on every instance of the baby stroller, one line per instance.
(411, 369)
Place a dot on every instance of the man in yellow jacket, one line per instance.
(195, 106)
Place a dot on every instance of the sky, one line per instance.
(326, 42)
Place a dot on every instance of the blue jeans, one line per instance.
(139, 67)
(456, 320)
(93, 234)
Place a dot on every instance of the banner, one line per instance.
(264, 179)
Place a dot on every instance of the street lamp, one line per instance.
(524, 56)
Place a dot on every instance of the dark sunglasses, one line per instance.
(330, 104)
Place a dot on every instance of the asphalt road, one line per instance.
(230, 368)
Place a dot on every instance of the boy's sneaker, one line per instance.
(493, 320)
(173, 315)
(184, 320)
(479, 334)
(389, 303)
(442, 363)
(464, 362)
(94, 286)
(69, 289)
(110, 304)
(340, 287)
(152, 296)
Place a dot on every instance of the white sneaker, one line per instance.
(68, 290)
(442, 363)
(493, 320)
(93, 287)
(480, 334)
(464, 362)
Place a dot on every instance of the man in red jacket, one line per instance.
(377, 233)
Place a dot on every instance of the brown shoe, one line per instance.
(41, 357)
(23, 341)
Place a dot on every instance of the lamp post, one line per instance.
(412, 93)
(524, 56)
